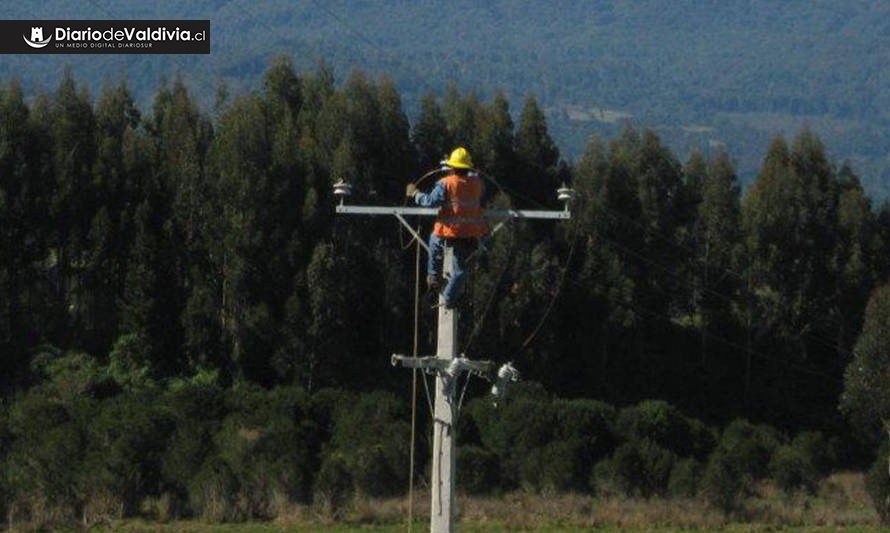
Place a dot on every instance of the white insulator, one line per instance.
(342, 188)
(506, 374)
(565, 194)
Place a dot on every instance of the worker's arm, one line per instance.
(434, 198)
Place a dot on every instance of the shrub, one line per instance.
(750, 447)
(212, 491)
(801, 464)
(68, 376)
(742, 456)
(703, 439)
(378, 471)
(267, 440)
(822, 451)
(333, 485)
(513, 431)
(544, 444)
(641, 468)
(5, 441)
(129, 364)
(877, 483)
(792, 469)
(79, 445)
(124, 442)
(46, 456)
(478, 470)
(685, 478)
(601, 479)
(553, 467)
(195, 409)
(722, 483)
(371, 433)
(592, 424)
(666, 426)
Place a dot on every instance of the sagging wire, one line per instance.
(460, 402)
(414, 387)
(551, 305)
(417, 183)
(678, 277)
(480, 320)
(555, 296)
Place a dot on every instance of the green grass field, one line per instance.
(841, 504)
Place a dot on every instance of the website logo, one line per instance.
(105, 36)
(37, 40)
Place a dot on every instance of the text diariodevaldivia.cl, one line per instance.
(129, 34)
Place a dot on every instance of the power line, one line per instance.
(204, 78)
(739, 276)
(350, 28)
(618, 216)
(637, 308)
(672, 272)
(726, 298)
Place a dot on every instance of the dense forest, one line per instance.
(701, 73)
(186, 324)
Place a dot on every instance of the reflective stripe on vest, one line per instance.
(461, 216)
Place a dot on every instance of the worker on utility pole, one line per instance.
(460, 222)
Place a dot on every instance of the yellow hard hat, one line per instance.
(460, 158)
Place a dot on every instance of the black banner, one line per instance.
(104, 36)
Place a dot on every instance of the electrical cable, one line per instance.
(556, 294)
(727, 342)
(679, 278)
(416, 183)
(552, 304)
(414, 387)
(480, 319)
(203, 77)
(816, 338)
(617, 215)
(463, 392)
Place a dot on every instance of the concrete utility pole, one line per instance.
(446, 364)
(444, 464)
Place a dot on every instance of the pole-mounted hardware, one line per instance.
(565, 195)
(506, 374)
(342, 189)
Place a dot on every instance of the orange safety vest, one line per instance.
(461, 214)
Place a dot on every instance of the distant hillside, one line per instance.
(701, 73)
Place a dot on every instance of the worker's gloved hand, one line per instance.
(410, 189)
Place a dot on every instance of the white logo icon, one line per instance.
(37, 40)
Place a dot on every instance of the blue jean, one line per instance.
(463, 249)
